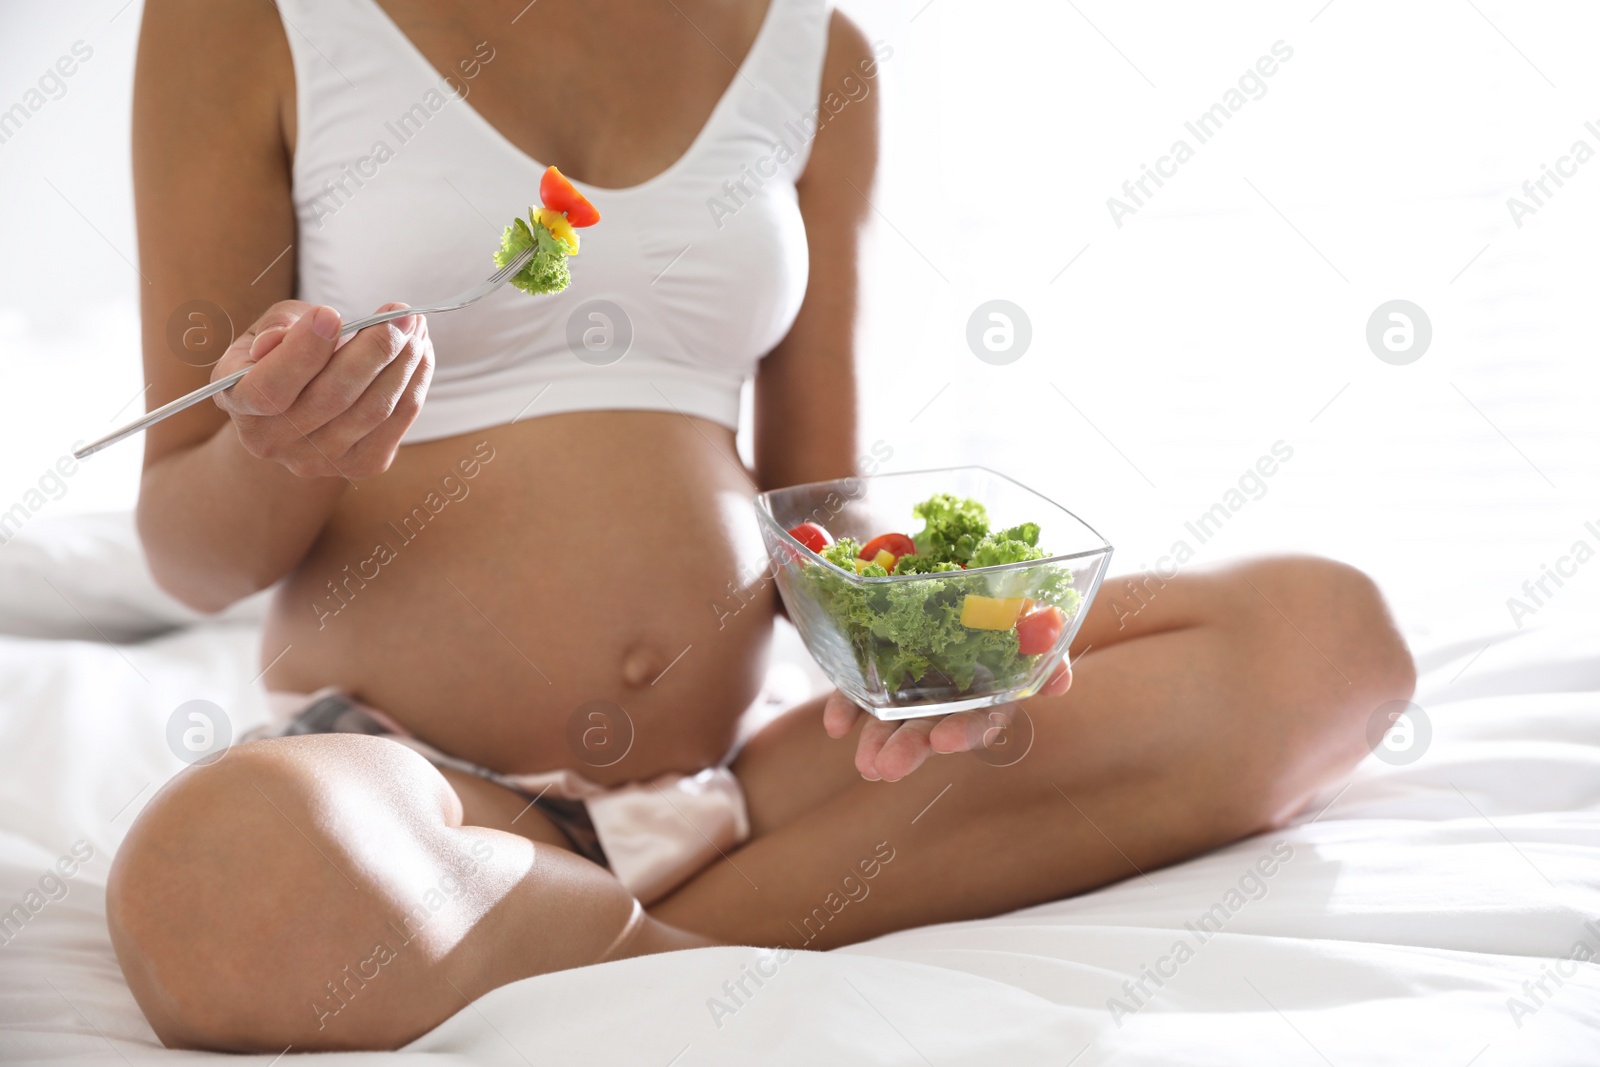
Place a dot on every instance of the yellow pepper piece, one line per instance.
(990, 613)
(884, 559)
(559, 227)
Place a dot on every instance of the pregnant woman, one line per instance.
(507, 542)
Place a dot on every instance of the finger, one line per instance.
(839, 714)
(970, 730)
(1059, 682)
(374, 452)
(352, 370)
(376, 404)
(905, 750)
(873, 736)
(241, 352)
(259, 344)
(268, 339)
(287, 365)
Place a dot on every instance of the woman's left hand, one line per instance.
(891, 750)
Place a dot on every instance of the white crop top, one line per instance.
(401, 190)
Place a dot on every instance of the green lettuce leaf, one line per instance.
(842, 553)
(952, 527)
(917, 564)
(994, 552)
(906, 631)
(547, 271)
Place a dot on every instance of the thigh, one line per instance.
(325, 892)
(1211, 713)
(1116, 778)
(1249, 665)
(792, 766)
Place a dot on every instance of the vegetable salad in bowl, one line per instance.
(964, 612)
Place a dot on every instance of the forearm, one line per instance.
(218, 524)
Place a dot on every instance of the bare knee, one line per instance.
(1344, 627)
(322, 892)
(1329, 643)
(238, 906)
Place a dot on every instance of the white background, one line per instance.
(1225, 315)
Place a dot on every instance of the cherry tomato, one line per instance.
(896, 544)
(812, 536)
(558, 194)
(1038, 632)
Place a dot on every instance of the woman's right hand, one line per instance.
(319, 408)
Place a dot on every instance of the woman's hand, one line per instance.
(319, 408)
(892, 750)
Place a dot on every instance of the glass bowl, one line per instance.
(899, 645)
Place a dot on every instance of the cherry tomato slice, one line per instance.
(558, 194)
(896, 544)
(812, 536)
(1038, 632)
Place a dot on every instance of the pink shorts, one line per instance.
(652, 835)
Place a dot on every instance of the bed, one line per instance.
(1437, 911)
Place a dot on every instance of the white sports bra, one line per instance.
(401, 190)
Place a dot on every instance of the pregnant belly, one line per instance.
(581, 590)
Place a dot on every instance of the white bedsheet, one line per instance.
(1407, 915)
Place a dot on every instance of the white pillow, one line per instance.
(85, 577)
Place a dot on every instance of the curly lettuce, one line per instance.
(952, 527)
(996, 551)
(902, 631)
(547, 271)
(919, 564)
(906, 632)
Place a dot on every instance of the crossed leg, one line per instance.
(339, 892)
(324, 892)
(1216, 711)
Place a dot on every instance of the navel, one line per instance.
(641, 665)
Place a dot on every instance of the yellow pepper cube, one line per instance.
(990, 613)
(884, 559)
(559, 228)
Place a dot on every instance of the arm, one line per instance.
(805, 390)
(234, 493)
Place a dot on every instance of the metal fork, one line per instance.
(455, 303)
